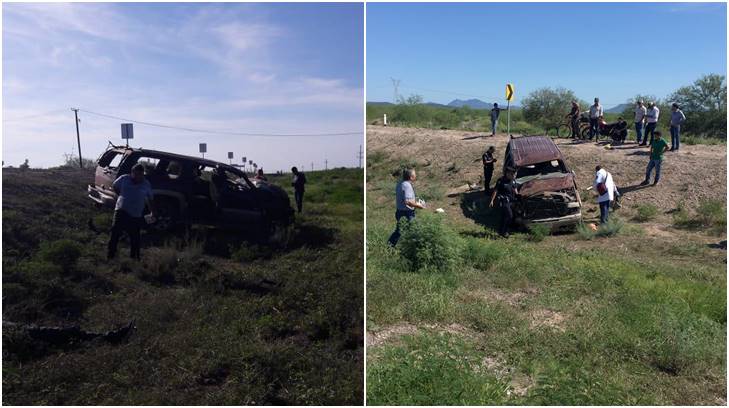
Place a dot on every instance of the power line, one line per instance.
(220, 132)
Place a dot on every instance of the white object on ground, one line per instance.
(440, 210)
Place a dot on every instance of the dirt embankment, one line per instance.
(690, 176)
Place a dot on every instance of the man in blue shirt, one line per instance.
(405, 203)
(134, 192)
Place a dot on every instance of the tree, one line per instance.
(704, 104)
(547, 107)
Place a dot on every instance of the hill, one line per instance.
(218, 320)
(471, 103)
(638, 318)
(619, 108)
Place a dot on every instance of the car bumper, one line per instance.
(101, 197)
(557, 223)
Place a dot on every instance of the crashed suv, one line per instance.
(189, 190)
(548, 192)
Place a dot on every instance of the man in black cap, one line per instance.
(488, 168)
(505, 190)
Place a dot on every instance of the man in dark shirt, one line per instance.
(495, 111)
(505, 190)
(574, 117)
(488, 168)
(298, 183)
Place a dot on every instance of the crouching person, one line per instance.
(405, 203)
(133, 191)
(505, 192)
(608, 192)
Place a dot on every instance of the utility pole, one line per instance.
(78, 138)
(326, 164)
(359, 156)
(395, 84)
(312, 166)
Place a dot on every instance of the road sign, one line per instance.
(509, 92)
(203, 147)
(127, 131)
(230, 155)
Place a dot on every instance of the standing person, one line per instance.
(658, 147)
(640, 113)
(605, 187)
(495, 111)
(488, 168)
(652, 121)
(405, 203)
(298, 183)
(505, 190)
(260, 176)
(677, 119)
(595, 115)
(574, 117)
(134, 192)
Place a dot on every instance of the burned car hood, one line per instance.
(546, 183)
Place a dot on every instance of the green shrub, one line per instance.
(585, 232)
(645, 212)
(610, 228)
(63, 252)
(537, 232)
(428, 244)
(710, 215)
(480, 254)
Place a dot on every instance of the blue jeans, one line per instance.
(594, 128)
(674, 137)
(649, 128)
(604, 211)
(638, 131)
(494, 125)
(651, 165)
(409, 215)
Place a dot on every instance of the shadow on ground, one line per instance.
(475, 205)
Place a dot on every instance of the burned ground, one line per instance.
(217, 319)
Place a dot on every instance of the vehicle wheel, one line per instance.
(564, 131)
(167, 214)
(585, 133)
(279, 233)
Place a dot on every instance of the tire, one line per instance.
(564, 131)
(167, 214)
(279, 234)
(585, 133)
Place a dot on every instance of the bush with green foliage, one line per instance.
(710, 215)
(610, 228)
(427, 244)
(547, 107)
(480, 253)
(537, 232)
(645, 212)
(63, 252)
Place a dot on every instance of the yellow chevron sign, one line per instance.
(509, 92)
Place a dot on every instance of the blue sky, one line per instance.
(608, 50)
(255, 68)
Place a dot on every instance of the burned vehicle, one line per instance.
(190, 190)
(548, 192)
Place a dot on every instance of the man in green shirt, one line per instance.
(658, 147)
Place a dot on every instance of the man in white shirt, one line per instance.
(640, 113)
(652, 120)
(606, 190)
(595, 114)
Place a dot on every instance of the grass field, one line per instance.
(635, 318)
(218, 320)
